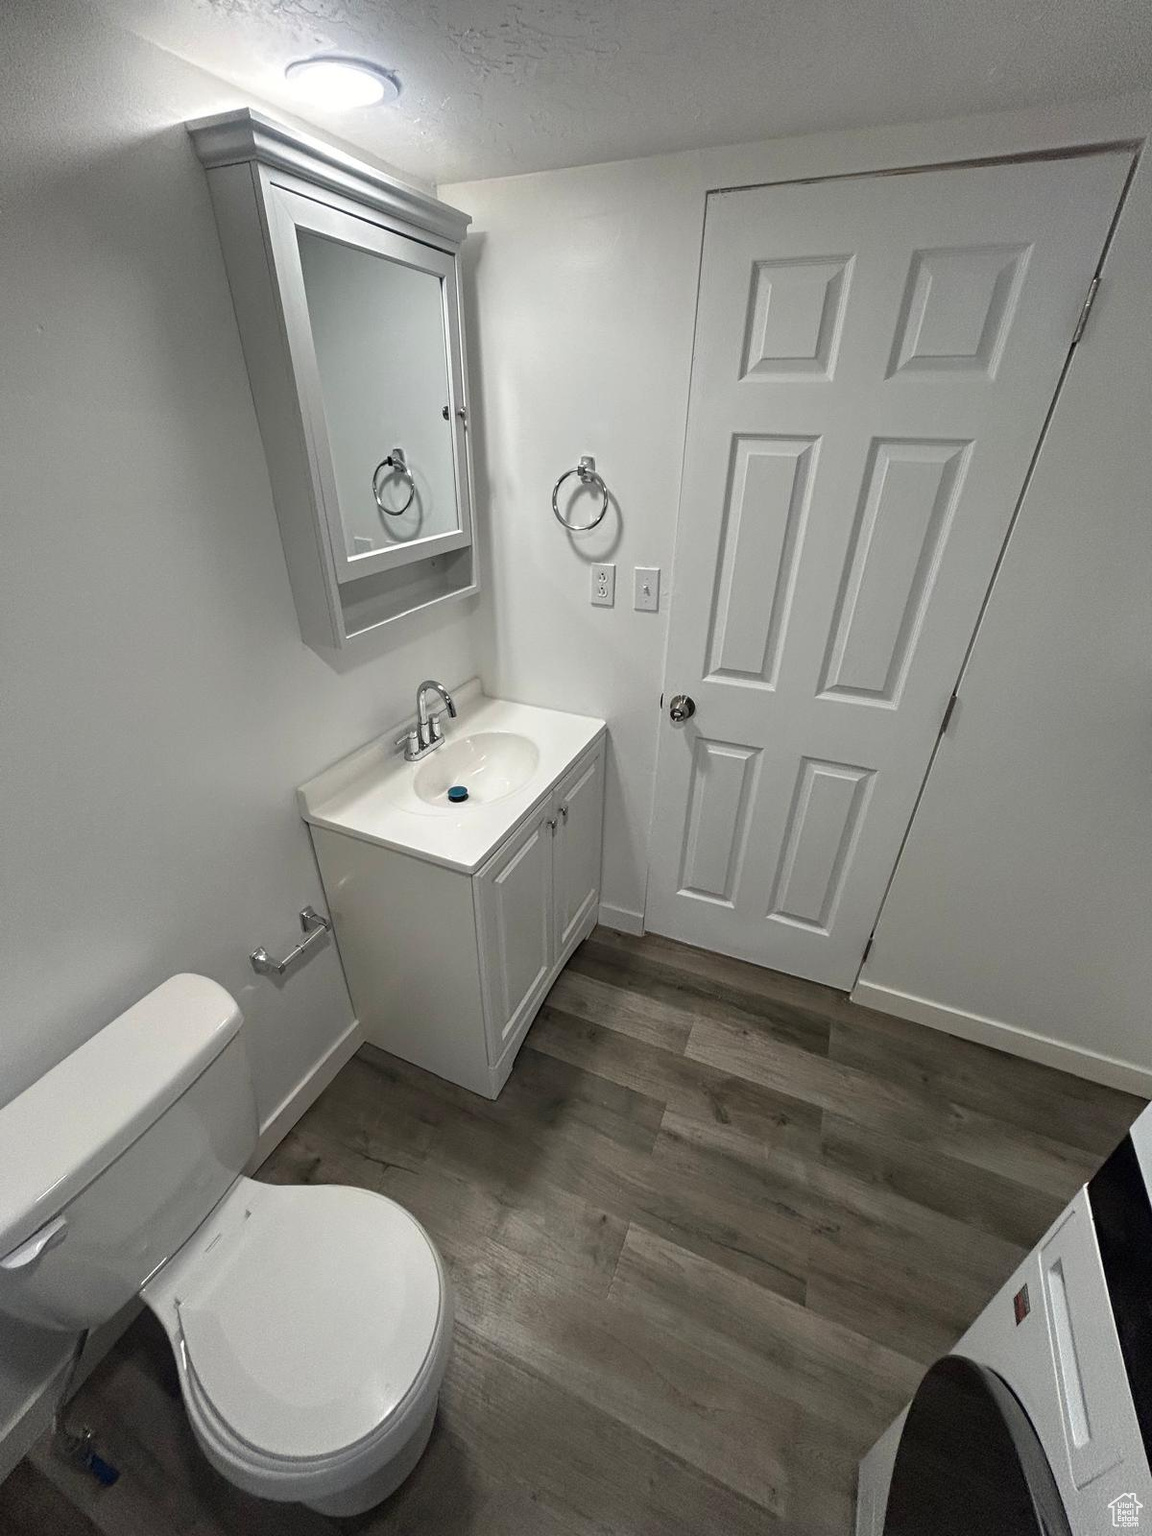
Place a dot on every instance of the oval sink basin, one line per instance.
(490, 765)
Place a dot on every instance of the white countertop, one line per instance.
(369, 793)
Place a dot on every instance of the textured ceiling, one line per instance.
(493, 87)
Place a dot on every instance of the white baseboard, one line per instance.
(306, 1092)
(1076, 1059)
(622, 919)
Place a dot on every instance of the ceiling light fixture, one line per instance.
(331, 81)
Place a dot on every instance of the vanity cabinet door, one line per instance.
(515, 930)
(576, 865)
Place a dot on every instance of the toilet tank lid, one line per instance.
(70, 1125)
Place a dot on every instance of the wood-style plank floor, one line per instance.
(702, 1247)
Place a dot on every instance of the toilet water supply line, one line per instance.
(78, 1445)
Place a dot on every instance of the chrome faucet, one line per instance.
(426, 735)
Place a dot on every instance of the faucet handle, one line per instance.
(409, 743)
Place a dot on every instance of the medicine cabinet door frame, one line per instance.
(292, 209)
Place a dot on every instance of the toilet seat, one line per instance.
(311, 1327)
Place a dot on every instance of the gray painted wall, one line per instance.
(582, 290)
(1018, 913)
(157, 706)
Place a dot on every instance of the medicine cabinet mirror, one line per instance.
(373, 322)
(346, 292)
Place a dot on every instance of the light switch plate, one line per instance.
(646, 588)
(603, 586)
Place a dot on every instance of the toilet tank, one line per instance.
(113, 1158)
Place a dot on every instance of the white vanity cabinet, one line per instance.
(447, 968)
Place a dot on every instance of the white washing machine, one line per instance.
(1039, 1423)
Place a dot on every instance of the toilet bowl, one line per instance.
(311, 1324)
(310, 1327)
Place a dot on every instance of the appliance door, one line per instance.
(970, 1461)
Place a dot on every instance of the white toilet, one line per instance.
(311, 1324)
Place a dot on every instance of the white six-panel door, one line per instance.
(874, 361)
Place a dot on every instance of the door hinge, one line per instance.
(867, 949)
(948, 708)
(1089, 300)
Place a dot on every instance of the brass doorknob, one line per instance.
(681, 708)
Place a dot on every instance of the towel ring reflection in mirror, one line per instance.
(586, 472)
(395, 464)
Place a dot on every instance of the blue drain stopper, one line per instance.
(457, 793)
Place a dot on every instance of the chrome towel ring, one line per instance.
(396, 464)
(586, 470)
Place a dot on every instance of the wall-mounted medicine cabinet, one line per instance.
(347, 296)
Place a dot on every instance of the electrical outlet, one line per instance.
(646, 588)
(603, 586)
